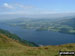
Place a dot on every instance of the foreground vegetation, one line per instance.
(9, 47)
(12, 47)
(15, 37)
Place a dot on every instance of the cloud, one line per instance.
(24, 6)
(6, 5)
(16, 6)
(7, 8)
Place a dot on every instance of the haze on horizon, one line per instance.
(36, 8)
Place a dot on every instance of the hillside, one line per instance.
(11, 47)
(63, 25)
(15, 37)
(69, 22)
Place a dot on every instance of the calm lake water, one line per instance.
(40, 37)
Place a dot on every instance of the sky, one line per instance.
(36, 6)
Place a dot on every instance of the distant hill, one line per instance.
(67, 26)
(69, 22)
(63, 24)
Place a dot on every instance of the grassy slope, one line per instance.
(10, 47)
(15, 37)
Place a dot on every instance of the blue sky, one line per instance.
(36, 6)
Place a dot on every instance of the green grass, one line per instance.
(10, 47)
(15, 37)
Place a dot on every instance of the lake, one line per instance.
(40, 37)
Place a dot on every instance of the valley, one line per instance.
(65, 25)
